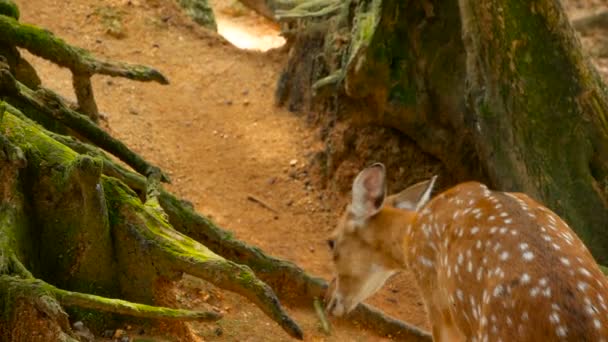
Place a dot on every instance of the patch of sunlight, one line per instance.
(244, 35)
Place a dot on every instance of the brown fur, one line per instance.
(490, 265)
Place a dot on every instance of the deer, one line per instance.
(489, 265)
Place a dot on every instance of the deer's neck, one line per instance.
(392, 231)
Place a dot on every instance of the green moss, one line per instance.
(9, 8)
(200, 12)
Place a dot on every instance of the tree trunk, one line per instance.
(498, 91)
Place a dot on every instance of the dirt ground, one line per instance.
(217, 132)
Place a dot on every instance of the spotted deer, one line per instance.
(490, 265)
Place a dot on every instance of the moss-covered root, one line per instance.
(310, 9)
(88, 301)
(283, 276)
(43, 43)
(47, 103)
(30, 312)
(21, 298)
(142, 233)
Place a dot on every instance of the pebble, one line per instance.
(293, 162)
(78, 325)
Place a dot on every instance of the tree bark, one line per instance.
(498, 91)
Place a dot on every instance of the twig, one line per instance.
(262, 203)
(322, 317)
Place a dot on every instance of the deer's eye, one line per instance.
(331, 243)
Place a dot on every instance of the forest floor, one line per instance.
(216, 131)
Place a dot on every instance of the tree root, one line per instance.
(43, 43)
(310, 9)
(140, 230)
(88, 301)
(80, 62)
(149, 236)
(50, 105)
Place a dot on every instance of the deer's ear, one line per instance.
(369, 191)
(414, 197)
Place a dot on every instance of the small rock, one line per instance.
(228, 102)
(245, 92)
(133, 111)
(311, 249)
(119, 333)
(392, 300)
(156, 46)
(246, 103)
(289, 203)
(125, 339)
(272, 180)
(218, 331)
(78, 325)
(293, 162)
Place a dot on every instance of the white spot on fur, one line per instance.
(528, 256)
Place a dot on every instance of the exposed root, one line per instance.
(147, 235)
(50, 105)
(123, 307)
(43, 43)
(311, 9)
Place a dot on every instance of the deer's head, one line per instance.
(367, 244)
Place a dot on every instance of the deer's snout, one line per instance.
(335, 300)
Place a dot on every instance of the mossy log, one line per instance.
(498, 91)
